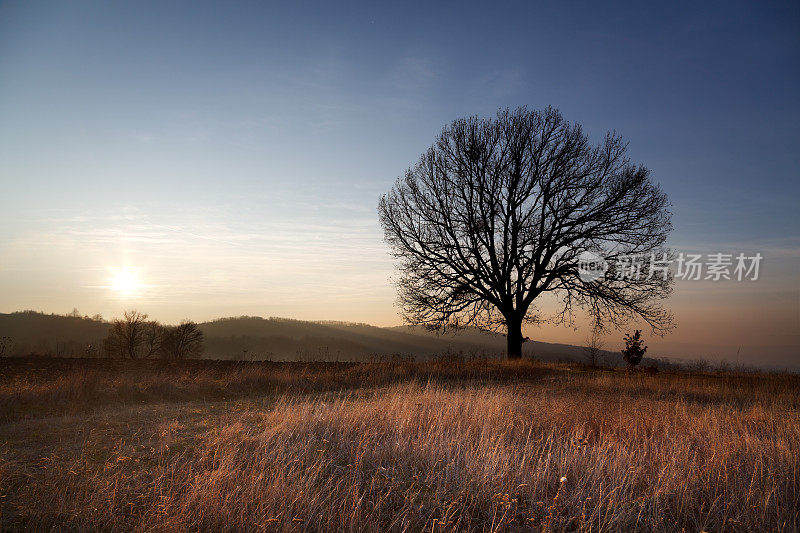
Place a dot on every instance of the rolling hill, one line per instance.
(255, 338)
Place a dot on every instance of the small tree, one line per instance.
(183, 341)
(634, 349)
(133, 336)
(152, 338)
(594, 345)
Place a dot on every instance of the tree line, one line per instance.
(135, 337)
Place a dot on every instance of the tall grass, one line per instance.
(437, 446)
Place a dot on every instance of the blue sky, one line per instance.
(232, 154)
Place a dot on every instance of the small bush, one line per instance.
(634, 349)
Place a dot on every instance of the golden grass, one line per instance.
(426, 446)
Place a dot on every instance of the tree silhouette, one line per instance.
(127, 335)
(594, 346)
(134, 337)
(498, 213)
(634, 349)
(183, 341)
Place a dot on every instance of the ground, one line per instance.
(446, 445)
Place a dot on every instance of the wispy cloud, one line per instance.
(209, 256)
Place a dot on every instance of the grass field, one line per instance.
(489, 446)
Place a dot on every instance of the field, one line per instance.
(437, 446)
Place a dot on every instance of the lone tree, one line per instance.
(634, 349)
(499, 212)
(594, 346)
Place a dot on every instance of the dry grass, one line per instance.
(434, 446)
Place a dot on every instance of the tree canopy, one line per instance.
(498, 212)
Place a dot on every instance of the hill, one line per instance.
(33, 333)
(278, 339)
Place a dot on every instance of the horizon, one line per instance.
(611, 345)
(194, 162)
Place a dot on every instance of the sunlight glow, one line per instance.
(125, 282)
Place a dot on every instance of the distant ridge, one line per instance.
(279, 339)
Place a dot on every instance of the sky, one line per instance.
(198, 160)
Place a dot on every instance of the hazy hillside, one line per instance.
(282, 339)
(279, 339)
(33, 333)
(497, 343)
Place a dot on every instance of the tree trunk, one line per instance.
(514, 338)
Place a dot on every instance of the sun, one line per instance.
(125, 282)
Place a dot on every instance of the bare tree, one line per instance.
(152, 338)
(500, 211)
(130, 336)
(183, 341)
(594, 345)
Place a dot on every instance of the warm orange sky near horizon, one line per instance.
(207, 269)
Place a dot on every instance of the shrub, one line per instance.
(634, 349)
